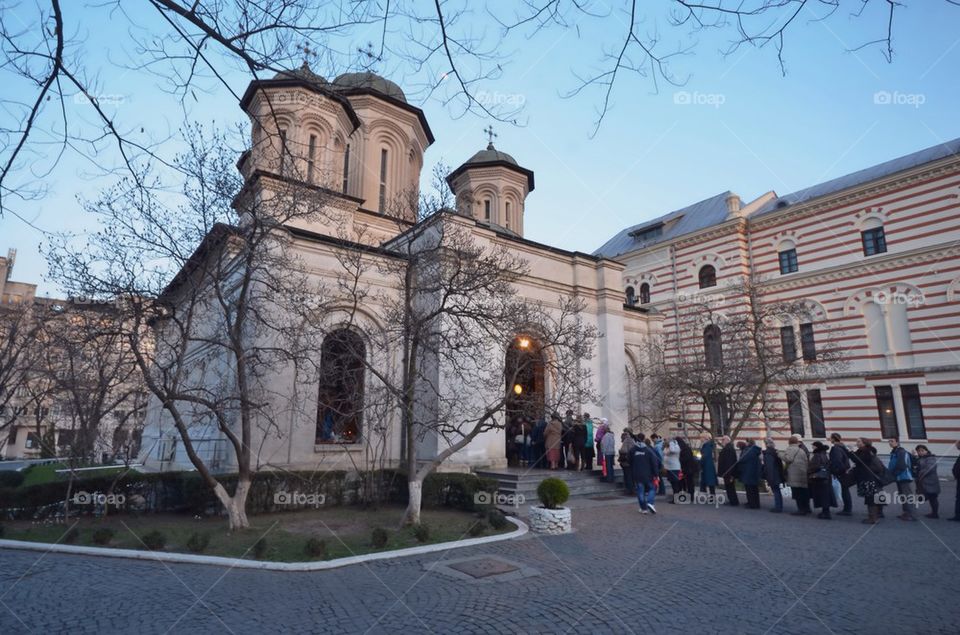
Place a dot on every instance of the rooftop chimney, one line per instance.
(733, 204)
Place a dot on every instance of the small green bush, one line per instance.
(497, 519)
(72, 535)
(379, 537)
(422, 532)
(479, 528)
(102, 536)
(553, 492)
(198, 542)
(154, 540)
(260, 548)
(316, 547)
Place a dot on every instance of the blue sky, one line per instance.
(736, 124)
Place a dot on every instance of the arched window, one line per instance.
(631, 296)
(311, 157)
(486, 209)
(708, 276)
(383, 180)
(506, 215)
(645, 293)
(712, 346)
(340, 402)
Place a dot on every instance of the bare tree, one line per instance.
(734, 349)
(24, 388)
(444, 49)
(215, 304)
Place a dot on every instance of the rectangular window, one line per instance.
(719, 413)
(486, 210)
(788, 261)
(12, 436)
(916, 429)
(506, 220)
(311, 154)
(788, 344)
(383, 180)
(818, 427)
(795, 410)
(346, 168)
(808, 345)
(887, 412)
(874, 241)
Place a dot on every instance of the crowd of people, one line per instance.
(819, 477)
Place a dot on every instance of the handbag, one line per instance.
(837, 489)
(786, 491)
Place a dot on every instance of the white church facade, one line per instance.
(888, 230)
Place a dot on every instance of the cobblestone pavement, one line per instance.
(688, 569)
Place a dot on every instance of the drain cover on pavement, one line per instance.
(484, 567)
(481, 569)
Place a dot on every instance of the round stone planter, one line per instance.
(550, 521)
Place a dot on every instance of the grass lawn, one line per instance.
(345, 530)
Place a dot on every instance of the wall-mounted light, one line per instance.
(524, 342)
(518, 389)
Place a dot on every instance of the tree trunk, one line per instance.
(235, 505)
(415, 490)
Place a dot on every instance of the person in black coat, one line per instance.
(867, 473)
(750, 468)
(773, 474)
(956, 478)
(644, 467)
(689, 466)
(840, 470)
(727, 468)
(821, 481)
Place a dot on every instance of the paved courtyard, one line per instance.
(687, 570)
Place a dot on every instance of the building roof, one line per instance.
(491, 157)
(710, 211)
(304, 73)
(879, 171)
(713, 211)
(370, 81)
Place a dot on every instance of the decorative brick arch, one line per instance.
(869, 218)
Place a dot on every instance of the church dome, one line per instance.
(370, 81)
(489, 155)
(304, 73)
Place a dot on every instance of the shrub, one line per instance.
(379, 537)
(497, 519)
(198, 542)
(422, 532)
(72, 535)
(260, 548)
(11, 478)
(553, 492)
(103, 536)
(154, 540)
(316, 547)
(478, 528)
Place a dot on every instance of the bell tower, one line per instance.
(492, 188)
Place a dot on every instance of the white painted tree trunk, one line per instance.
(415, 489)
(235, 505)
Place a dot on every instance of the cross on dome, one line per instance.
(491, 135)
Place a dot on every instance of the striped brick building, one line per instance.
(874, 255)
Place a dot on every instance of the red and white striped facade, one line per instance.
(895, 314)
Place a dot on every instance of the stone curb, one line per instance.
(239, 563)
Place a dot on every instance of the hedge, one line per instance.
(185, 492)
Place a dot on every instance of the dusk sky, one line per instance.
(736, 123)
